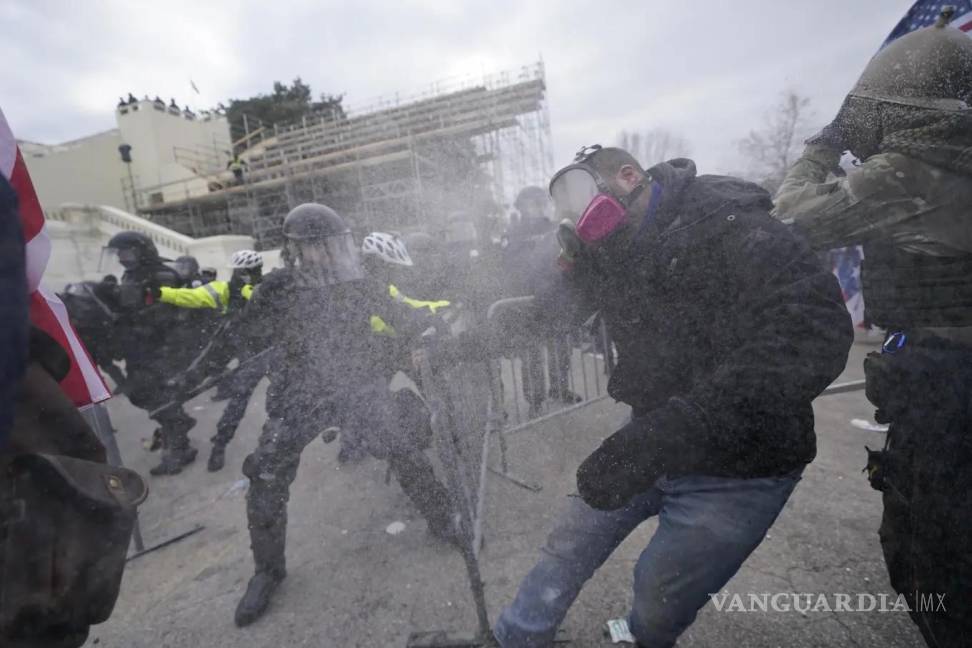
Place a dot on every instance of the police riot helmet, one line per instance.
(319, 246)
(313, 221)
(187, 267)
(130, 249)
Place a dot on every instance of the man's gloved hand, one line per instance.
(624, 465)
(830, 136)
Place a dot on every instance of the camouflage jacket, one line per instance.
(922, 208)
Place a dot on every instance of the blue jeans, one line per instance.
(707, 527)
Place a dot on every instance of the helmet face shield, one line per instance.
(116, 261)
(329, 260)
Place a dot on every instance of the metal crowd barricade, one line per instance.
(474, 398)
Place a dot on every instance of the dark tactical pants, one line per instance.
(925, 475)
(145, 388)
(272, 467)
(242, 385)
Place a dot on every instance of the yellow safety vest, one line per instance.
(380, 327)
(214, 294)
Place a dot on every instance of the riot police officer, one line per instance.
(908, 121)
(147, 335)
(329, 324)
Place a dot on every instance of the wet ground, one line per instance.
(352, 583)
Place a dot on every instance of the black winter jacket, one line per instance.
(727, 327)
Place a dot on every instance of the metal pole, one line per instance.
(843, 388)
(467, 533)
(131, 184)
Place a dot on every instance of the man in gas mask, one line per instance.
(333, 363)
(908, 120)
(726, 328)
(148, 335)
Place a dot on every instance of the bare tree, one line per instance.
(653, 146)
(772, 149)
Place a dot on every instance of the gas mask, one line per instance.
(589, 209)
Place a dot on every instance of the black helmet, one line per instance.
(313, 221)
(319, 246)
(187, 267)
(133, 241)
(132, 249)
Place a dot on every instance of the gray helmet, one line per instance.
(312, 221)
(928, 68)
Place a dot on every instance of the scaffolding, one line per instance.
(461, 149)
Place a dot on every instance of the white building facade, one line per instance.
(174, 154)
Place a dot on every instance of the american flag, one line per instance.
(83, 384)
(925, 12)
(846, 264)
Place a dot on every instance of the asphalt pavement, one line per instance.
(358, 579)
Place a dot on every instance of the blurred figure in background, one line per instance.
(151, 343)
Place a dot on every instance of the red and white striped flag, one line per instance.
(83, 384)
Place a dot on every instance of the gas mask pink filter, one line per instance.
(582, 197)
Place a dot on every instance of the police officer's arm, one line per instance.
(257, 324)
(866, 203)
(212, 295)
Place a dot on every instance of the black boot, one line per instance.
(176, 451)
(268, 555)
(258, 591)
(217, 457)
(174, 460)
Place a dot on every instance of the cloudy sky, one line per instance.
(708, 70)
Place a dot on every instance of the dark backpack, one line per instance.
(66, 516)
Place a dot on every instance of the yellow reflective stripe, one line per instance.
(431, 305)
(417, 304)
(247, 291)
(215, 295)
(379, 327)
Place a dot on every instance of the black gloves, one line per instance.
(621, 468)
(668, 440)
